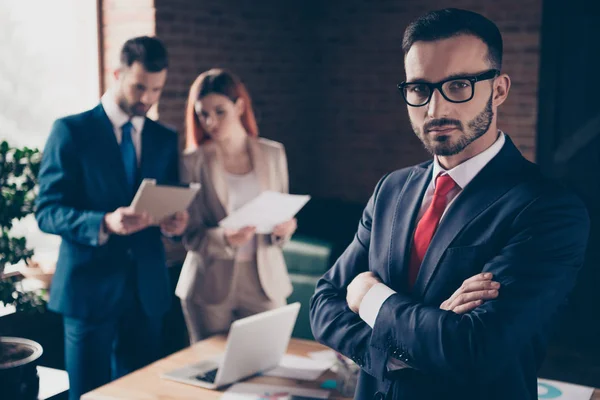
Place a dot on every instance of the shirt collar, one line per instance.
(117, 116)
(464, 173)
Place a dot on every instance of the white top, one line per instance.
(462, 174)
(241, 189)
(118, 118)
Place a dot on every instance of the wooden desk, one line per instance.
(147, 384)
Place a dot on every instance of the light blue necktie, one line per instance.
(128, 154)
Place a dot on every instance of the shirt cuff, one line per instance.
(372, 302)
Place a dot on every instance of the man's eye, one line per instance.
(417, 88)
(458, 85)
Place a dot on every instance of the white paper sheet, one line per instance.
(253, 391)
(302, 368)
(324, 355)
(265, 211)
(52, 382)
(556, 390)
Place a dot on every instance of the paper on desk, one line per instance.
(265, 211)
(325, 355)
(300, 368)
(548, 389)
(254, 391)
(52, 382)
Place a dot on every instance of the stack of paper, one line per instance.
(302, 368)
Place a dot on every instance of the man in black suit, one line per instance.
(399, 301)
(111, 283)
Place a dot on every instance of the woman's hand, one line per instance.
(285, 229)
(239, 237)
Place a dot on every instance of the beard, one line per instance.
(447, 145)
(134, 110)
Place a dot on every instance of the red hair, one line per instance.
(221, 82)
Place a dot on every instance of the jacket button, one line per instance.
(379, 396)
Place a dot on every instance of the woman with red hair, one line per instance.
(229, 274)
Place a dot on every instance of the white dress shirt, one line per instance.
(462, 174)
(118, 118)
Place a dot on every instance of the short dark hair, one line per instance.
(149, 51)
(450, 22)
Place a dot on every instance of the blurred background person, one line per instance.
(111, 283)
(229, 274)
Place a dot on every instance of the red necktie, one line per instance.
(428, 224)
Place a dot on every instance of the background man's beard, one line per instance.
(444, 145)
(135, 110)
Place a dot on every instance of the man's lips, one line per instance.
(442, 130)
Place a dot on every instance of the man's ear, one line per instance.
(501, 89)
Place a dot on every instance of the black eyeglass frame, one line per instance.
(484, 76)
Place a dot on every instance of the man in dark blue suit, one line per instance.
(399, 301)
(111, 282)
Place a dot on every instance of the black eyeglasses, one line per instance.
(458, 89)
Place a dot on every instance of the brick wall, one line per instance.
(267, 43)
(366, 131)
(121, 20)
(322, 76)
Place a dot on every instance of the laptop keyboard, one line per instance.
(208, 376)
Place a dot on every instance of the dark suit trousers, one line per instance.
(97, 352)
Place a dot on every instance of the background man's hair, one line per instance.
(148, 51)
(450, 22)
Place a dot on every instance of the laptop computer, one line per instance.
(254, 344)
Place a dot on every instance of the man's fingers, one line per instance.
(474, 286)
(465, 308)
(465, 298)
(484, 276)
(480, 285)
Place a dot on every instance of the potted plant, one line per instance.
(18, 178)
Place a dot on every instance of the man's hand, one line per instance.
(473, 292)
(175, 224)
(239, 237)
(358, 288)
(285, 229)
(125, 221)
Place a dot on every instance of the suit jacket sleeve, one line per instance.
(59, 207)
(199, 236)
(332, 321)
(282, 169)
(537, 268)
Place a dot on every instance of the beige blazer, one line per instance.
(208, 270)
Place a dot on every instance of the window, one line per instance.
(49, 69)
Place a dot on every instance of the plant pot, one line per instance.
(18, 368)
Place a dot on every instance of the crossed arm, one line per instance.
(537, 268)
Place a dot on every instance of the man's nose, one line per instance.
(438, 106)
(147, 99)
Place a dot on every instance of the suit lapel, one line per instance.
(407, 208)
(215, 171)
(259, 163)
(150, 150)
(494, 180)
(106, 144)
